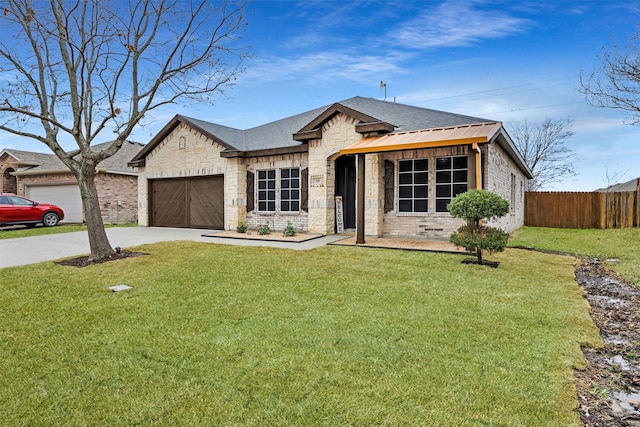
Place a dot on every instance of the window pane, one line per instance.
(271, 174)
(262, 206)
(262, 185)
(271, 195)
(443, 163)
(420, 206)
(284, 194)
(295, 173)
(421, 178)
(295, 194)
(405, 165)
(284, 206)
(271, 185)
(295, 183)
(262, 174)
(284, 183)
(421, 192)
(284, 173)
(460, 162)
(459, 189)
(443, 191)
(405, 178)
(460, 176)
(295, 206)
(404, 192)
(441, 205)
(262, 195)
(443, 177)
(404, 205)
(271, 206)
(420, 165)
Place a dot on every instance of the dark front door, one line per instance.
(346, 187)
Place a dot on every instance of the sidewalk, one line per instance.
(30, 250)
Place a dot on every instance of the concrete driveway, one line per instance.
(29, 250)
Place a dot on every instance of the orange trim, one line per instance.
(478, 166)
(372, 148)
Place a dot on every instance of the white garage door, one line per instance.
(65, 196)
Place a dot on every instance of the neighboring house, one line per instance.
(204, 175)
(44, 178)
(631, 185)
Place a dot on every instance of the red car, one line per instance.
(16, 210)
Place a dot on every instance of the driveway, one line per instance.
(29, 250)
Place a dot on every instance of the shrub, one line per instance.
(289, 230)
(264, 229)
(242, 227)
(474, 206)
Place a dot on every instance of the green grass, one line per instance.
(14, 233)
(621, 244)
(229, 335)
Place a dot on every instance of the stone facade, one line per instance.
(186, 152)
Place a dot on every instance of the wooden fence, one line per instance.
(582, 210)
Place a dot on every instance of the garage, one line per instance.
(196, 202)
(65, 196)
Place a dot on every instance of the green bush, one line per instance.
(474, 206)
(242, 227)
(264, 229)
(289, 230)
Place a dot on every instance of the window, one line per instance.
(290, 190)
(512, 203)
(267, 190)
(413, 187)
(451, 180)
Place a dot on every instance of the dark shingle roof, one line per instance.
(30, 161)
(279, 134)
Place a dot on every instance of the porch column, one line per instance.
(478, 156)
(360, 201)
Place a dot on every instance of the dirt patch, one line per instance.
(84, 261)
(609, 388)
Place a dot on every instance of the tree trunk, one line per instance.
(98, 241)
(479, 255)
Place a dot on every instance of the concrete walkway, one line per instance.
(30, 250)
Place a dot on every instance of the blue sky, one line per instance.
(500, 60)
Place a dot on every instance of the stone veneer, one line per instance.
(185, 153)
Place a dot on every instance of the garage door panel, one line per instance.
(196, 202)
(66, 196)
(168, 203)
(206, 202)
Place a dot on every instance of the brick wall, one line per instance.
(499, 171)
(185, 152)
(277, 220)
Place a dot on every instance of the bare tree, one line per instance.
(543, 147)
(617, 83)
(77, 69)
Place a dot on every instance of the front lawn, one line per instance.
(620, 246)
(230, 335)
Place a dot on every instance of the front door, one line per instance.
(346, 187)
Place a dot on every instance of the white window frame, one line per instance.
(453, 185)
(289, 186)
(266, 186)
(419, 190)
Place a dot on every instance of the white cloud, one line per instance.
(456, 23)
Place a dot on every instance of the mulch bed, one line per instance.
(85, 261)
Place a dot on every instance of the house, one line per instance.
(400, 164)
(631, 185)
(44, 178)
